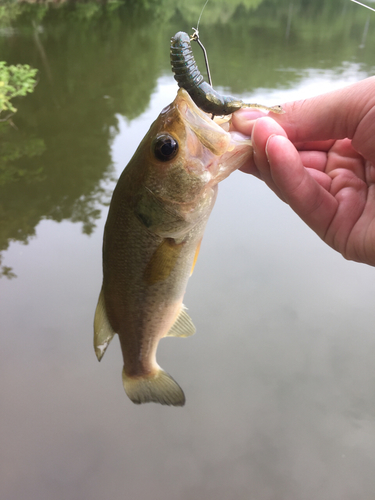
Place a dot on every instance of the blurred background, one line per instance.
(280, 377)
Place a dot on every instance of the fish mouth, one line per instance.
(225, 150)
(209, 133)
(215, 134)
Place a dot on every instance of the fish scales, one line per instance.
(157, 216)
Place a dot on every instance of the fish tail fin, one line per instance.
(158, 388)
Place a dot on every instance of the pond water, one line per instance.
(280, 376)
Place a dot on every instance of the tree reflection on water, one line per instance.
(98, 61)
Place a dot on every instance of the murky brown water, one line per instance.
(280, 377)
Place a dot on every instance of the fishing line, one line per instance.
(200, 15)
(195, 37)
(359, 3)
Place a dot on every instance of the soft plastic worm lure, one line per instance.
(188, 77)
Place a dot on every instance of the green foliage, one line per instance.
(87, 11)
(216, 11)
(9, 11)
(14, 81)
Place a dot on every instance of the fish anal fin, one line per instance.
(162, 261)
(157, 388)
(103, 332)
(195, 257)
(183, 326)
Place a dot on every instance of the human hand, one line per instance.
(319, 157)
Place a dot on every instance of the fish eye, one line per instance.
(165, 147)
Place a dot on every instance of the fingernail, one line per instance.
(267, 143)
(250, 114)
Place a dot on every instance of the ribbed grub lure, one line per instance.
(188, 77)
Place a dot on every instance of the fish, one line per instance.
(152, 236)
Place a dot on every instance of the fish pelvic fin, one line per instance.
(157, 388)
(183, 326)
(103, 332)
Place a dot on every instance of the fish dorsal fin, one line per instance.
(183, 326)
(103, 332)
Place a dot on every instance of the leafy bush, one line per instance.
(14, 81)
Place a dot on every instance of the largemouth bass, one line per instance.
(155, 224)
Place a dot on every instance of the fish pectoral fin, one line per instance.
(162, 261)
(157, 388)
(103, 332)
(183, 326)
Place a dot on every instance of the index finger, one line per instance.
(345, 113)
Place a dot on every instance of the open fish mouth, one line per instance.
(224, 150)
(215, 134)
